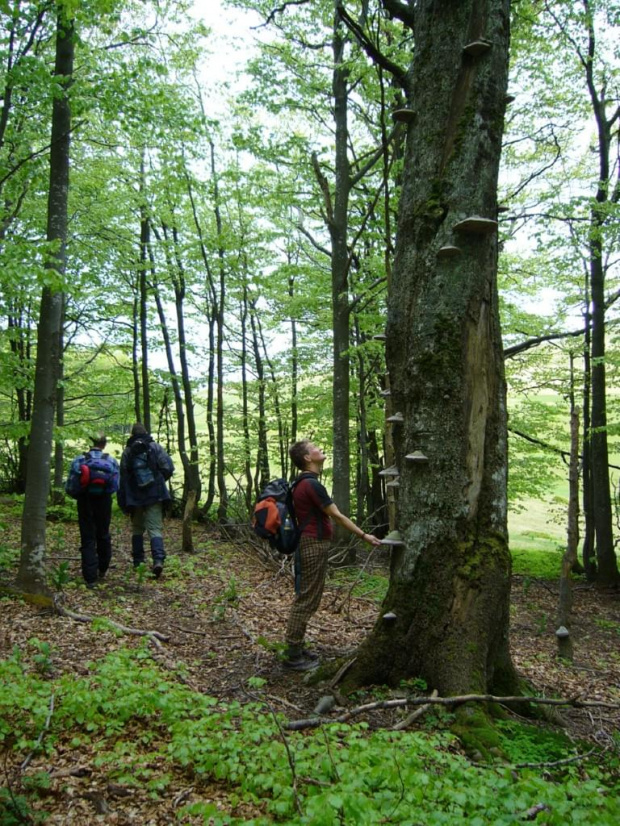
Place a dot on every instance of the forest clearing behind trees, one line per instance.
(401, 240)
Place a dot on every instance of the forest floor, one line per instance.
(223, 612)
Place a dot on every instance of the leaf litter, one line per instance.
(224, 610)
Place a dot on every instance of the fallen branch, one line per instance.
(532, 813)
(74, 771)
(415, 715)
(154, 636)
(341, 672)
(190, 631)
(575, 702)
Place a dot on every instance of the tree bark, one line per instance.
(450, 581)
(145, 241)
(565, 601)
(31, 573)
(338, 229)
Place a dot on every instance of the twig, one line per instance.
(330, 755)
(245, 632)
(536, 810)
(341, 672)
(190, 631)
(75, 771)
(289, 754)
(154, 636)
(415, 715)
(283, 701)
(26, 762)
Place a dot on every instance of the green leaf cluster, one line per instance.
(342, 774)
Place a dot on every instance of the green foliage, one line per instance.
(15, 811)
(537, 564)
(524, 743)
(43, 656)
(344, 774)
(59, 575)
(140, 572)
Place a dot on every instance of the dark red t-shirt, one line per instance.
(309, 498)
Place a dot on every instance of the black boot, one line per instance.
(158, 554)
(295, 660)
(137, 549)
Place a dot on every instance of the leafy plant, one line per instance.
(59, 575)
(140, 572)
(43, 657)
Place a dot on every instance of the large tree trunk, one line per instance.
(338, 229)
(31, 573)
(450, 581)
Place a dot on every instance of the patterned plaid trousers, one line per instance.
(312, 559)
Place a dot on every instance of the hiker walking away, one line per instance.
(145, 470)
(314, 510)
(93, 478)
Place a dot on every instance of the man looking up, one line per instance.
(314, 510)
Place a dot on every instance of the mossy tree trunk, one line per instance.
(450, 583)
(31, 572)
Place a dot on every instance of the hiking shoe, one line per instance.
(300, 663)
(91, 585)
(157, 570)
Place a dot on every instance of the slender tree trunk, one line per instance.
(589, 558)
(19, 324)
(145, 241)
(31, 573)
(294, 371)
(135, 359)
(219, 306)
(607, 565)
(565, 602)
(247, 446)
(262, 455)
(58, 493)
(447, 605)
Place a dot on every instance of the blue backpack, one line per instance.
(95, 475)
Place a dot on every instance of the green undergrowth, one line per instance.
(127, 717)
(541, 564)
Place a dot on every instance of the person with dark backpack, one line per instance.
(145, 470)
(93, 478)
(313, 510)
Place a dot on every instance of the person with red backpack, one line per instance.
(314, 510)
(93, 478)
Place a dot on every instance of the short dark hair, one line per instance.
(99, 440)
(138, 429)
(298, 453)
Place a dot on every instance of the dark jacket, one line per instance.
(130, 494)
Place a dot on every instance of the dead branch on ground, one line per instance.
(155, 636)
(401, 702)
